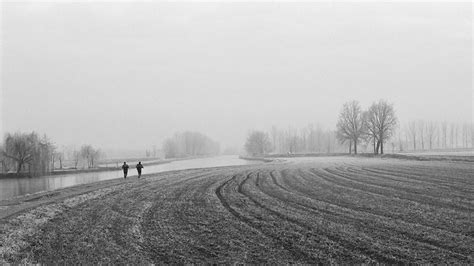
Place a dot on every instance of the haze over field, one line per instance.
(132, 74)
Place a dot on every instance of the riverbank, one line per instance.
(80, 171)
(261, 159)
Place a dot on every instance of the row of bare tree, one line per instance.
(375, 125)
(309, 139)
(188, 144)
(29, 153)
(430, 135)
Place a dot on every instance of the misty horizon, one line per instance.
(129, 75)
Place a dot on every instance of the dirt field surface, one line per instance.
(304, 210)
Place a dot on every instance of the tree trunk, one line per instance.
(350, 147)
(20, 165)
(375, 151)
(377, 148)
(355, 146)
(381, 147)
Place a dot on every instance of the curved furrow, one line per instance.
(271, 228)
(403, 209)
(189, 204)
(179, 221)
(429, 176)
(392, 191)
(435, 173)
(377, 224)
(415, 185)
(334, 244)
(332, 176)
(332, 195)
(328, 223)
(256, 221)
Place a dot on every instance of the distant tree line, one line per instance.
(309, 139)
(374, 126)
(188, 144)
(422, 135)
(34, 155)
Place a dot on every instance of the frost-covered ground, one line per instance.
(303, 210)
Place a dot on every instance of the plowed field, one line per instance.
(308, 210)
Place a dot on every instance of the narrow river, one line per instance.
(13, 187)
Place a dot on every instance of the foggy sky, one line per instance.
(130, 74)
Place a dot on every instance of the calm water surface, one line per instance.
(13, 187)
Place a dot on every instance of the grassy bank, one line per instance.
(261, 159)
(79, 171)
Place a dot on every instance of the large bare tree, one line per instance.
(382, 115)
(350, 126)
(371, 131)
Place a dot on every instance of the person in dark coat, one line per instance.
(125, 169)
(139, 169)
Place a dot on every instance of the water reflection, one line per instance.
(21, 186)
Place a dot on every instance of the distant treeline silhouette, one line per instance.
(188, 144)
(373, 129)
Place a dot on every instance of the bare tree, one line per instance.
(258, 143)
(472, 135)
(412, 133)
(371, 131)
(400, 147)
(465, 135)
(384, 116)
(452, 135)
(444, 127)
(274, 137)
(90, 155)
(76, 157)
(439, 136)
(430, 133)
(421, 130)
(350, 126)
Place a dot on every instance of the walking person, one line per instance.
(125, 169)
(139, 169)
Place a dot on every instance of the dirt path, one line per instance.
(328, 210)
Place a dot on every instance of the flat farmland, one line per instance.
(305, 210)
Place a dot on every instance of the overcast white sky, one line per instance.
(130, 74)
